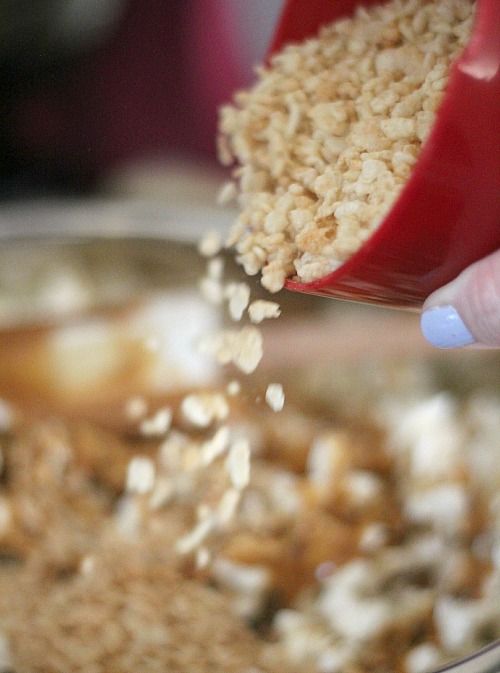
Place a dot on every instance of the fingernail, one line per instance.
(443, 327)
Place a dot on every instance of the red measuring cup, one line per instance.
(448, 214)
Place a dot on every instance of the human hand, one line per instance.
(466, 312)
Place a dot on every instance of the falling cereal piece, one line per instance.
(136, 408)
(275, 397)
(233, 388)
(158, 424)
(140, 475)
(218, 345)
(211, 244)
(188, 543)
(215, 268)
(215, 447)
(239, 296)
(260, 310)
(204, 408)
(227, 506)
(162, 493)
(212, 290)
(238, 464)
(227, 193)
(247, 350)
(241, 347)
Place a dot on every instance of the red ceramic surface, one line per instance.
(448, 214)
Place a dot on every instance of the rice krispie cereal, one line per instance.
(327, 137)
(365, 548)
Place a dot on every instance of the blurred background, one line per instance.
(101, 94)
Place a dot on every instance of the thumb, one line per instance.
(466, 311)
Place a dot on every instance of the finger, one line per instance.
(466, 312)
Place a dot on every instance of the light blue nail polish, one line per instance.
(443, 327)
